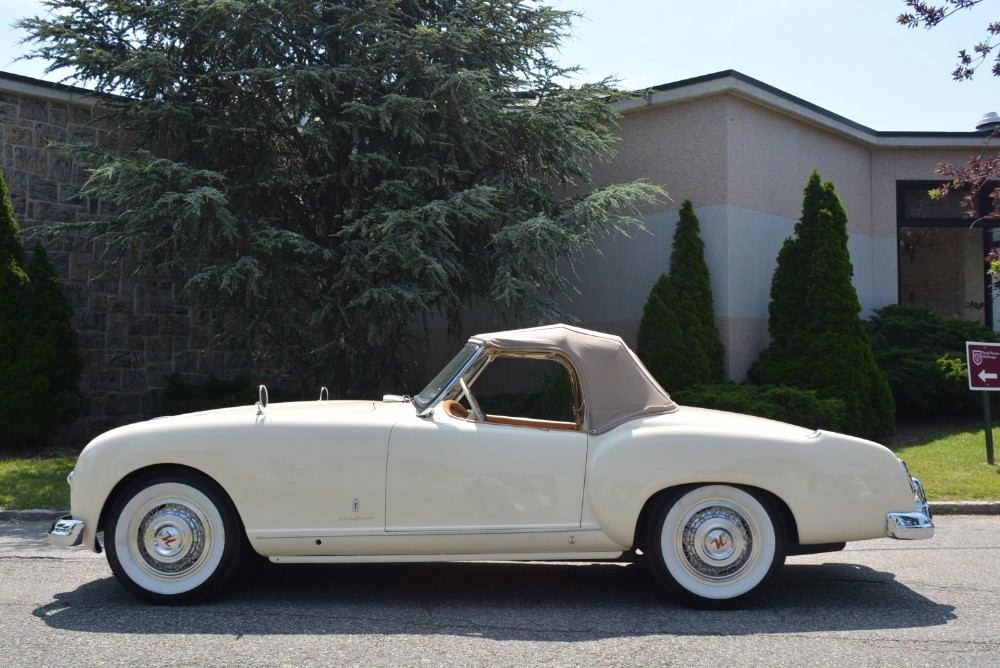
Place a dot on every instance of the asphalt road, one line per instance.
(878, 603)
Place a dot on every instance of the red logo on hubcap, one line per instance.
(168, 540)
(719, 541)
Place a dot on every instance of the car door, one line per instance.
(454, 475)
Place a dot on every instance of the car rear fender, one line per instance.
(836, 488)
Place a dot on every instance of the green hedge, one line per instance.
(775, 402)
(923, 356)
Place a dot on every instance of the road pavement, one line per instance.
(877, 603)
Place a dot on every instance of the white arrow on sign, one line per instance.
(983, 376)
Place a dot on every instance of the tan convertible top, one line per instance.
(616, 386)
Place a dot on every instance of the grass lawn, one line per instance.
(35, 483)
(951, 464)
(950, 461)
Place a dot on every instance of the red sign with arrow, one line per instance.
(984, 365)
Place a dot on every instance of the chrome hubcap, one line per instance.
(171, 538)
(716, 541)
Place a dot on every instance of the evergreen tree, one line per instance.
(788, 289)
(52, 348)
(13, 314)
(40, 364)
(678, 340)
(702, 349)
(335, 173)
(818, 339)
(660, 340)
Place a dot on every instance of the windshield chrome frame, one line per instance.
(446, 388)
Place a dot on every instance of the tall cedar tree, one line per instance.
(678, 340)
(817, 338)
(335, 173)
(40, 363)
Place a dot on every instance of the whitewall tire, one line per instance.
(715, 546)
(172, 537)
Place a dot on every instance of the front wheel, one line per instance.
(172, 538)
(715, 546)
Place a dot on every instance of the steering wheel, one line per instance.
(477, 412)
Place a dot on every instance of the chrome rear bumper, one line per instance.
(66, 532)
(912, 526)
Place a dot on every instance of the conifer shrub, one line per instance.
(40, 363)
(818, 340)
(678, 340)
(923, 356)
(775, 402)
(660, 341)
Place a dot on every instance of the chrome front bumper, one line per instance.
(66, 532)
(912, 526)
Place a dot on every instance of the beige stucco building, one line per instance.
(742, 151)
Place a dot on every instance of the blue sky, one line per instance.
(847, 56)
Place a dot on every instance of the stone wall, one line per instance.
(134, 325)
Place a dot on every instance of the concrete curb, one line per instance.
(937, 508)
(34, 515)
(965, 508)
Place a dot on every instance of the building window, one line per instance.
(940, 255)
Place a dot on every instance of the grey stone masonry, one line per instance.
(133, 324)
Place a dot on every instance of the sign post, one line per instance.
(984, 376)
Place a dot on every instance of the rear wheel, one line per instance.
(173, 537)
(715, 546)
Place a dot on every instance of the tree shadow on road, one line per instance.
(500, 601)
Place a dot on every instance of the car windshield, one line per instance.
(446, 376)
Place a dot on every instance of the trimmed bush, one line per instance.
(660, 340)
(40, 363)
(923, 356)
(818, 339)
(678, 340)
(775, 402)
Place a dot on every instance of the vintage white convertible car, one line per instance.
(713, 501)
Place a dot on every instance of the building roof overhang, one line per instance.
(47, 90)
(740, 85)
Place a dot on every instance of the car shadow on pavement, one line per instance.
(500, 601)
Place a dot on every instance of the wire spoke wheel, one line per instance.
(172, 538)
(715, 546)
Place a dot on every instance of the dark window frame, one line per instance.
(983, 204)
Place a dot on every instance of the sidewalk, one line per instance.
(938, 508)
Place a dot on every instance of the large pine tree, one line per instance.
(335, 173)
(817, 338)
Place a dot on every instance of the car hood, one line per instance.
(288, 413)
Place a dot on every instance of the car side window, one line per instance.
(526, 390)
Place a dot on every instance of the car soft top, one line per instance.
(616, 386)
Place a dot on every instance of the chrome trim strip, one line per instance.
(66, 532)
(421, 558)
(442, 532)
